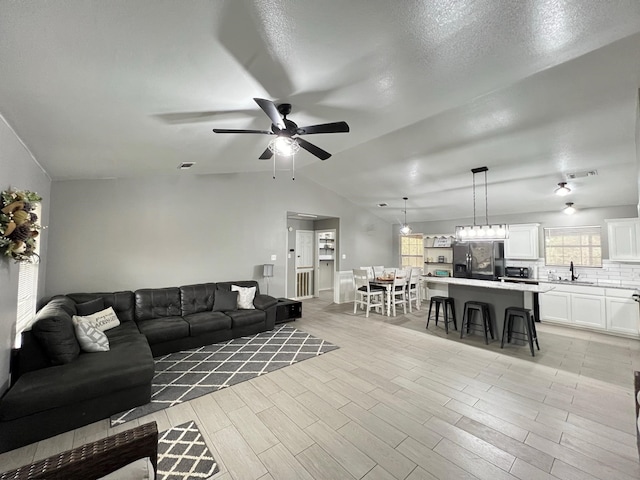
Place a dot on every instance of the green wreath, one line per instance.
(19, 226)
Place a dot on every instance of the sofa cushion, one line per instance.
(54, 331)
(122, 302)
(243, 318)
(91, 375)
(90, 338)
(103, 320)
(90, 307)
(197, 298)
(164, 329)
(245, 296)
(207, 322)
(239, 283)
(123, 331)
(225, 301)
(157, 303)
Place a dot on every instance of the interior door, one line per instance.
(304, 263)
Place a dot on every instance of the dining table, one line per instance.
(387, 283)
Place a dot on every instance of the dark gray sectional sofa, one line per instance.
(56, 388)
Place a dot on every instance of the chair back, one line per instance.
(360, 278)
(414, 277)
(378, 270)
(400, 278)
(370, 272)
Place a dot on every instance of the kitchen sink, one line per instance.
(575, 282)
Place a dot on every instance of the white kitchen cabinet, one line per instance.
(597, 308)
(555, 306)
(588, 311)
(623, 313)
(523, 242)
(624, 239)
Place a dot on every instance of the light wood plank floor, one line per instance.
(399, 402)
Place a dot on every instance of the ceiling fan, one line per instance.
(287, 130)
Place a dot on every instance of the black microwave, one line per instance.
(517, 272)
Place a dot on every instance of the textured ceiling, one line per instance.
(531, 89)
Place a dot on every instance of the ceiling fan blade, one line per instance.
(266, 155)
(233, 130)
(313, 149)
(272, 111)
(334, 127)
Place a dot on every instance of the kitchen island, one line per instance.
(499, 295)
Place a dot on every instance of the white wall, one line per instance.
(125, 234)
(18, 170)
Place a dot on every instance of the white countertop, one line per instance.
(470, 282)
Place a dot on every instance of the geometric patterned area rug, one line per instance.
(183, 454)
(186, 375)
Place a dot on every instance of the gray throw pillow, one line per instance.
(225, 301)
(57, 336)
(90, 307)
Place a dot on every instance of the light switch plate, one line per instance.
(273, 258)
(344, 256)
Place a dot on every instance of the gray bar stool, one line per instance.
(530, 327)
(444, 302)
(470, 308)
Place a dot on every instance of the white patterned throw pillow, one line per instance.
(102, 320)
(90, 338)
(245, 296)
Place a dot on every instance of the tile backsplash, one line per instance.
(611, 273)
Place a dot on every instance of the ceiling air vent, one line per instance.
(186, 165)
(589, 173)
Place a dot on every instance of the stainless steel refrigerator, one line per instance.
(480, 260)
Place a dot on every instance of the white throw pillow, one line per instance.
(245, 296)
(90, 338)
(102, 320)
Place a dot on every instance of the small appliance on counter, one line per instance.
(517, 272)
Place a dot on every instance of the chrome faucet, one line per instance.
(574, 277)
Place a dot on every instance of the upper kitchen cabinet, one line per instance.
(624, 239)
(523, 241)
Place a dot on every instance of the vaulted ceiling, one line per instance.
(532, 89)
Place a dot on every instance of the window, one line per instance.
(27, 291)
(580, 245)
(412, 251)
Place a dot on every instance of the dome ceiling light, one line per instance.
(562, 189)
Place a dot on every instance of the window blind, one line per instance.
(580, 245)
(27, 296)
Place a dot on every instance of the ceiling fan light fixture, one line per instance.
(569, 209)
(562, 189)
(284, 146)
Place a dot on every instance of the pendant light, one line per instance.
(562, 189)
(405, 229)
(486, 231)
(569, 209)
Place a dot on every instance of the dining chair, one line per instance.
(399, 291)
(365, 296)
(378, 270)
(413, 288)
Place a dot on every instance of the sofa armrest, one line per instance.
(96, 459)
(263, 302)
